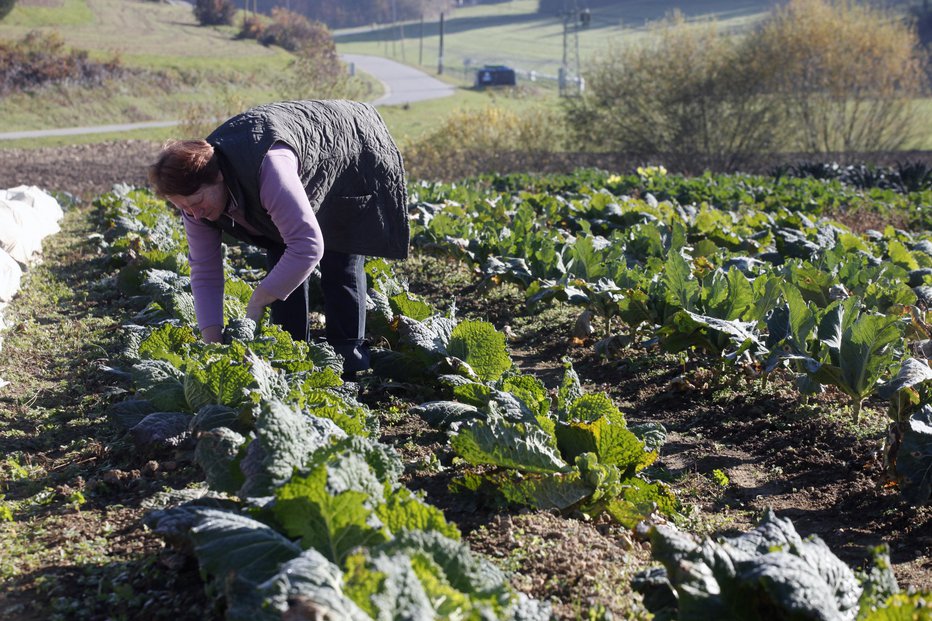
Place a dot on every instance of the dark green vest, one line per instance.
(350, 167)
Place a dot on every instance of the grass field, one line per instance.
(209, 68)
(525, 39)
(187, 65)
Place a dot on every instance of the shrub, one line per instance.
(214, 12)
(845, 74)
(5, 7)
(684, 93)
(488, 140)
(39, 59)
(293, 31)
(253, 27)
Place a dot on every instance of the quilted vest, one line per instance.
(350, 167)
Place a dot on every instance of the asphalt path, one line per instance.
(402, 84)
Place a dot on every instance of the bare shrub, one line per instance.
(487, 140)
(844, 73)
(39, 59)
(685, 93)
(292, 31)
(214, 12)
(252, 28)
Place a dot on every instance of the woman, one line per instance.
(311, 182)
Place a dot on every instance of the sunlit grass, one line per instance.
(70, 13)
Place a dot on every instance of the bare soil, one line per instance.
(805, 460)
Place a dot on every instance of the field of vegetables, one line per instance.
(577, 380)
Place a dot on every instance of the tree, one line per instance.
(684, 94)
(214, 12)
(845, 74)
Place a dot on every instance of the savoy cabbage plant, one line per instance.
(770, 572)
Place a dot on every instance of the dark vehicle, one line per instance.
(495, 75)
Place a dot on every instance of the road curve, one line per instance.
(403, 84)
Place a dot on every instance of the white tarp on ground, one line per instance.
(10, 276)
(27, 216)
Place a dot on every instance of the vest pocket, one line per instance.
(358, 202)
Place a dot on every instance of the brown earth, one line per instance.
(805, 461)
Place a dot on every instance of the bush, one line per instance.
(40, 59)
(685, 93)
(845, 74)
(5, 7)
(293, 31)
(818, 76)
(252, 28)
(489, 140)
(214, 12)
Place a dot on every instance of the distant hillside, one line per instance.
(527, 39)
(151, 34)
(180, 68)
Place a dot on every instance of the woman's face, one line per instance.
(208, 202)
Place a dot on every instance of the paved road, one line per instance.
(403, 84)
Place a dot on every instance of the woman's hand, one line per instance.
(257, 303)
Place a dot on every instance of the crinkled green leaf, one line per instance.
(531, 391)
(546, 492)
(167, 342)
(499, 442)
(285, 439)
(591, 407)
(482, 347)
(386, 587)
(216, 453)
(222, 380)
(332, 524)
(226, 543)
(127, 413)
(307, 582)
(403, 510)
(570, 390)
(639, 499)
(410, 306)
(612, 443)
(441, 414)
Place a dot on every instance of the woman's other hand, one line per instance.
(257, 303)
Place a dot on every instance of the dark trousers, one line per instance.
(343, 285)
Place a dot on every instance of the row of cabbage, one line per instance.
(304, 510)
(744, 274)
(27, 216)
(242, 405)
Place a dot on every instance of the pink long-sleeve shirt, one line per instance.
(282, 195)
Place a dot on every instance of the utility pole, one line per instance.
(440, 57)
(573, 19)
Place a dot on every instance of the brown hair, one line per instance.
(182, 167)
